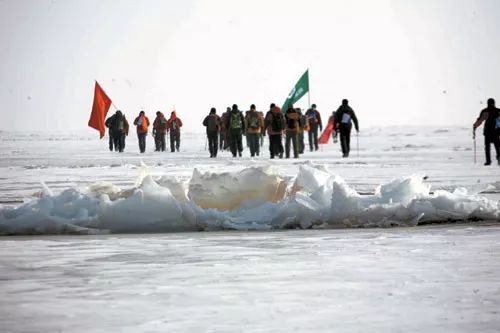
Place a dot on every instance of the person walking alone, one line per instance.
(491, 130)
(212, 122)
(142, 124)
(343, 118)
(174, 125)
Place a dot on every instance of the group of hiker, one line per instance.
(118, 128)
(226, 131)
(232, 125)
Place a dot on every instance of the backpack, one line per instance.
(212, 124)
(253, 122)
(311, 116)
(235, 121)
(346, 118)
(119, 124)
(290, 122)
(276, 123)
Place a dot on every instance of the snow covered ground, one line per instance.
(439, 277)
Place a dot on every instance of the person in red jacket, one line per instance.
(159, 131)
(142, 124)
(174, 125)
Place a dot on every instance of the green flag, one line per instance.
(300, 89)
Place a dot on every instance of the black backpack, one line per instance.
(276, 122)
(212, 124)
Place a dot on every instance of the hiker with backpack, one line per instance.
(302, 128)
(292, 129)
(108, 123)
(119, 127)
(235, 124)
(331, 123)
(213, 123)
(142, 124)
(491, 130)
(343, 119)
(174, 125)
(314, 121)
(159, 131)
(223, 141)
(254, 124)
(275, 124)
(262, 130)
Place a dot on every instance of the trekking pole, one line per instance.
(357, 142)
(474, 137)
(206, 142)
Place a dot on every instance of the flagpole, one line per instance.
(309, 90)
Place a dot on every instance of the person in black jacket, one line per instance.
(235, 124)
(491, 130)
(109, 124)
(212, 122)
(343, 118)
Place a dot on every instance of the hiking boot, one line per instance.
(487, 163)
(239, 153)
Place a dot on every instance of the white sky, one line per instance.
(425, 62)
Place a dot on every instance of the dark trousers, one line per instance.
(489, 139)
(213, 143)
(175, 140)
(142, 141)
(222, 140)
(119, 142)
(313, 138)
(275, 145)
(254, 142)
(235, 141)
(160, 142)
(345, 139)
(291, 137)
(111, 142)
(300, 142)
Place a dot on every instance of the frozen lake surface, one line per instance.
(439, 277)
(426, 279)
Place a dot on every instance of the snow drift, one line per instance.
(251, 199)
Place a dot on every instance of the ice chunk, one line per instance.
(151, 208)
(227, 191)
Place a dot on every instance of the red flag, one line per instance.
(325, 136)
(99, 109)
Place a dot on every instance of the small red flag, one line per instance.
(100, 108)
